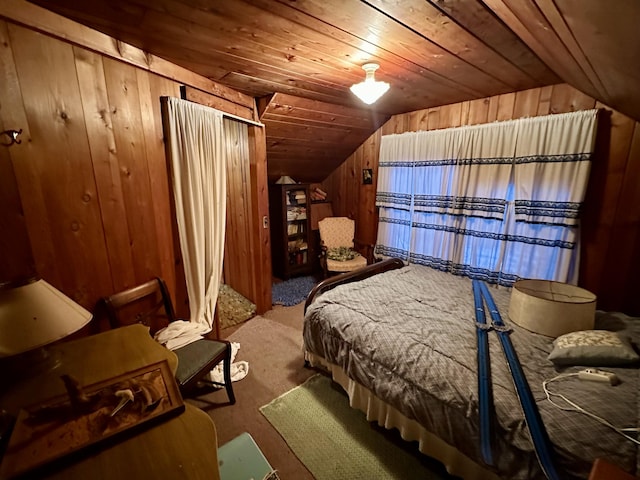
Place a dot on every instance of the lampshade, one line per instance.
(285, 180)
(370, 90)
(551, 308)
(36, 314)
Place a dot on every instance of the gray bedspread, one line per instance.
(409, 336)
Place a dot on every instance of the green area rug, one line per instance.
(335, 441)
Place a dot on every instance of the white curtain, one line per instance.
(196, 142)
(497, 201)
(551, 171)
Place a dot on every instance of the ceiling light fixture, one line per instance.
(370, 90)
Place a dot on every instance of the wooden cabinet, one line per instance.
(291, 250)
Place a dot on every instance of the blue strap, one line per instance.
(485, 401)
(541, 442)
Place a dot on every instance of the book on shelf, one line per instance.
(296, 245)
(296, 197)
(296, 213)
(318, 195)
(295, 228)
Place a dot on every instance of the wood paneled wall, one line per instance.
(610, 254)
(90, 178)
(237, 244)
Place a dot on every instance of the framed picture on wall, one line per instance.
(367, 176)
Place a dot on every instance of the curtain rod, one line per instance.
(240, 119)
(183, 96)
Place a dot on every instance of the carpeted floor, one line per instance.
(272, 344)
(293, 291)
(335, 441)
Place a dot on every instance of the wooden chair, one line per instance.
(338, 246)
(150, 304)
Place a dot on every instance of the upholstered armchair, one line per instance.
(340, 251)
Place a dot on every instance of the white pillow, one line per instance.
(593, 348)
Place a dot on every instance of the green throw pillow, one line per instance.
(592, 348)
(341, 254)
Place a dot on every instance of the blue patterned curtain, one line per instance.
(497, 201)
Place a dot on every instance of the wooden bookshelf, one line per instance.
(291, 247)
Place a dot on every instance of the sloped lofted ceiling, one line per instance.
(299, 57)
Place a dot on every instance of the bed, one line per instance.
(401, 340)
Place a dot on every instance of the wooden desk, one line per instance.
(184, 446)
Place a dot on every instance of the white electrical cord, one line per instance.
(577, 408)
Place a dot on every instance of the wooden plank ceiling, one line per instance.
(299, 57)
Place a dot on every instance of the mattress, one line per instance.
(408, 336)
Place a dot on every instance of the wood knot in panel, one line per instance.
(103, 113)
(63, 116)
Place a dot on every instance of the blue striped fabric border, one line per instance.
(390, 199)
(445, 162)
(553, 213)
(485, 274)
(468, 206)
(565, 157)
(479, 234)
(445, 204)
(560, 158)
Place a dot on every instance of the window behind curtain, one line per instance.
(499, 201)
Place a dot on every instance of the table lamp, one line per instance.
(34, 314)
